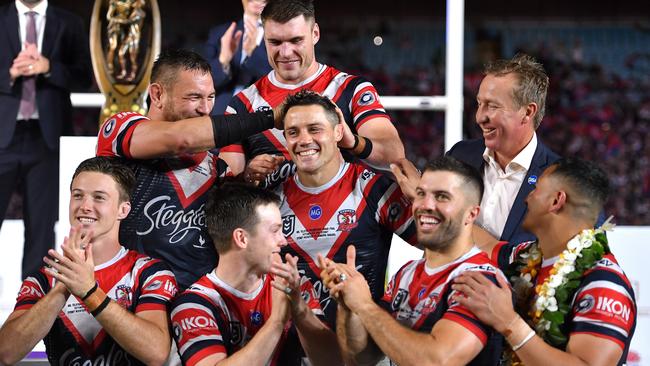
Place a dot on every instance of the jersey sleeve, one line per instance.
(364, 103)
(309, 296)
(32, 290)
(114, 138)
(394, 210)
(605, 306)
(158, 286)
(195, 328)
(463, 316)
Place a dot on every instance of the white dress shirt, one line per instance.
(39, 19)
(502, 186)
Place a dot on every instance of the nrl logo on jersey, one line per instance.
(347, 220)
(288, 225)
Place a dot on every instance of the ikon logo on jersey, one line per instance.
(613, 307)
(347, 220)
(194, 322)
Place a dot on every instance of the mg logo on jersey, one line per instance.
(315, 212)
(288, 225)
(347, 220)
(613, 306)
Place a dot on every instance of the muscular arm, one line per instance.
(144, 335)
(449, 343)
(318, 341)
(386, 144)
(356, 345)
(152, 139)
(24, 328)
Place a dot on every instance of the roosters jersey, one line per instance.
(603, 305)
(212, 317)
(354, 95)
(356, 207)
(136, 282)
(418, 297)
(167, 218)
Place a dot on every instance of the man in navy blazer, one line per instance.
(510, 157)
(44, 55)
(234, 53)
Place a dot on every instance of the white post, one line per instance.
(454, 72)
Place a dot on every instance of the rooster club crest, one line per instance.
(123, 296)
(288, 225)
(347, 220)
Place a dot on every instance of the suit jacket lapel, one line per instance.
(52, 24)
(10, 22)
(518, 210)
(240, 48)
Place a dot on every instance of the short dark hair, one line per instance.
(282, 11)
(472, 180)
(533, 81)
(308, 97)
(170, 62)
(587, 181)
(114, 167)
(233, 206)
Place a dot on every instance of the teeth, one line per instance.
(429, 220)
(86, 220)
(307, 152)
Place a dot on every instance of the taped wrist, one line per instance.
(233, 128)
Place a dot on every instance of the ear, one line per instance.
(559, 200)
(123, 210)
(338, 132)
(155, 93)
(316, 33)
(472, 214)
(531, 112)
(240, 238)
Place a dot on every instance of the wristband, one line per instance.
(367, 149)
(356, 143)
(233, 128)
(90, 292)
(524, 341)
(101, 307)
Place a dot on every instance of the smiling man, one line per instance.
(96, 302)
(511, 105)
(238, 313)
(290, 36)
(421, 323)
(169, 152)
(330, 203)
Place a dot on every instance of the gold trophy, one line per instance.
(124, 43)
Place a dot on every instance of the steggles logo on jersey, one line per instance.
(123, 296)
(288, 225)
(161, 215)
(280, 174)
(347, 220)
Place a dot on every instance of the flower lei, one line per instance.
(548, 310)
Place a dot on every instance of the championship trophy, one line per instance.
(124, 42)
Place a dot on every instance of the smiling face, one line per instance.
(312, 141)
(440, 209)
(190, 95)
(267, 238)
(95, 204)
(290, 48)
(506, 127)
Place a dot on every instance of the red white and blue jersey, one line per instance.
(136, 282)
(211, 317)
(357, 207)
(418, 297)
(603, 306)
(354, 95)
(167, 218)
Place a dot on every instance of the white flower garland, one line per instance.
(565, 264)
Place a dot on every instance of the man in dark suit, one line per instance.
(510, 157)
(234, 52)
(44, 55)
